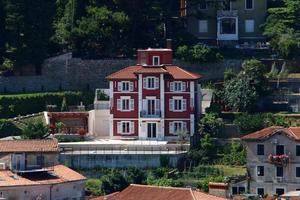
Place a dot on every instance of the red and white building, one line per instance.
(153, 99)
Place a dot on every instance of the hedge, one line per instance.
(22, 104)
(8, 128)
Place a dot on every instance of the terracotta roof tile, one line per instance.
(60, 174)
(292, 132)
(146, 192)
(175, 71)
(46, 145)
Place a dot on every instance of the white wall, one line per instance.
(99, 123)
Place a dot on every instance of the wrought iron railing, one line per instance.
(279, 160)
(147, 114)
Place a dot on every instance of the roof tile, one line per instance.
(11, 146)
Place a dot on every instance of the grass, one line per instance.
(232, 170)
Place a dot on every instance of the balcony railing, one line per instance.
(279, 160)
(147, 114)
(227, 13)
(49, 166)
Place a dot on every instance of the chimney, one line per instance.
(169, 44)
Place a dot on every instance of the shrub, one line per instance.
(164, 161)
(236, 155)
(198, 54)
(35, 130)
(8, 128)
(203, 183)
(93, 186)
(22, 104)
(164, 182)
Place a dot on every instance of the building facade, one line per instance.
(238, 20)
(273, 160)
(153, 99)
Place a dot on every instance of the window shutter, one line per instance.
(183, 86)
(184, 127)
(144, 83)
(171, 128)
(184, 104)
(172, 86)
(119, 86)
(130, 86)
(119, 127)
(157, 105)
(131, 104)
(132, 127)
(171, 103)
(156, 83)
(144, 127)
(119, 104)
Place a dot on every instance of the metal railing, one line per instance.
(147, 114)
(227, 13)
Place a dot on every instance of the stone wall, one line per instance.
(66, 73)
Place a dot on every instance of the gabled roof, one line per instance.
(292, 132)
(146, 192)
(174, 71)
(12, 146)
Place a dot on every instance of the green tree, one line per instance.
(283, 28)
(101, 33)
(113, 182)
(35, 130)
(135, 175)
(211, 124)
(8, 128)
(64, 106)
(2, 32)
(209, 148)
(236, 155)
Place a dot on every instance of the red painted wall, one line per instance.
(166, 57)
(130, 114)
(147, 92)
(135, 85)
(171, 114)
(115, 128)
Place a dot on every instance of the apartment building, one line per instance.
(273, 160)
(153, 99)
(229, 20)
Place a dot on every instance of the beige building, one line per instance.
(230, 20)
(273, 160)
(29, 170)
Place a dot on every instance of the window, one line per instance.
(297, 150)
(279, 171)
(260, 149)
(279, 191)
(241, 190)
(249, 26)
(203, 5)
(261, 191)
(177, 104)
(177, 126)
(177, 86)
(151, 82)
(40, 160)
(260, 170)
(279, 150)
(125, 127)
(228, 26)
(298, 172)
(249, 4)
(125, 104)
(227, 5)
(156, 60)
(238, 190)
(125, 86)
(203, 26)
(234, 190)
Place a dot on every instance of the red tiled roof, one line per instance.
(11, 146)
(146, 192)
(60, 174)
(174, 71)
(292, 132)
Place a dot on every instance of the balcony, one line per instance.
(279, 160)
(147, 114)
(45, 167)
(227, 13)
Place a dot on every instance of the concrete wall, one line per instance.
(99, 122)
(89, 161)
(66, 73)
(63, 191)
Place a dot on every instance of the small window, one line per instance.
(279, 191)
(249, 26)
(260, 170)
(260, 149)
(234, 190)
(297, 150)
(203, 5)
(125, 104)
(177, 86)
(298, 172)
(203, 26)
(242, 190)
(125, 127)
(151, 83)
(177, 104)
(279, 171)
(249, 4)
(125, 86)
(261, 191)
(279, 150)
(156, 60)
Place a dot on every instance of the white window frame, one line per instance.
(155, 83)
(203, 26)
(181, 102)
(260, 188)
(130, 127)
(256, 169)
(249, 29)
(249, 8)
(130, 104)
(158, 60)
